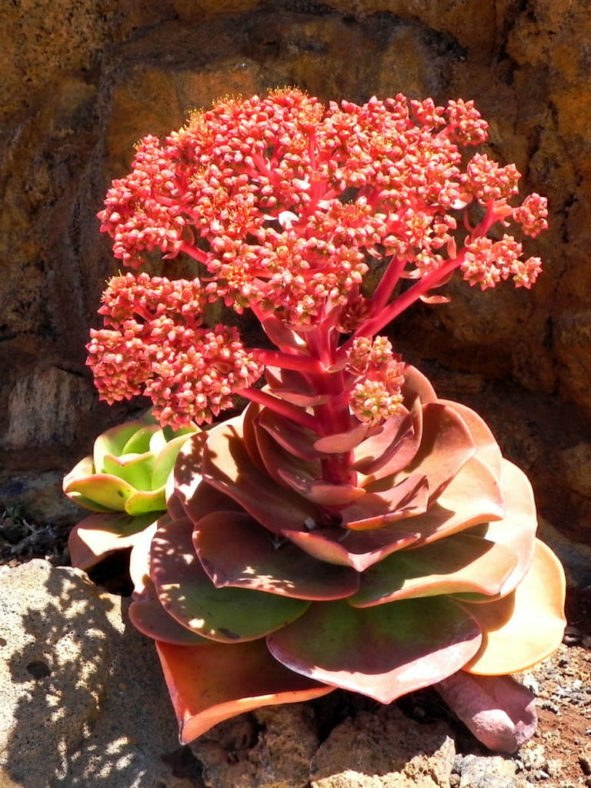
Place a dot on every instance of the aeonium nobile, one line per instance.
(349, 529)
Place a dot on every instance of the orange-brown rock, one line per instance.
(80, 85)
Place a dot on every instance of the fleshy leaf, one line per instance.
(417, 385)
(375, 510)
(139, 442)
(151, 619)
(295, 439)
(394, 448)
(82, 470)
(292, 387)
(279, 464)
(487, 448)
(525, 626)
(319, 492)
(342, 441)
(460, 563)
(205, 500)
(165, 460)
(358, 549)
(446, 445)
(101, 534)
(516, 529)
(133, 468)
(113, 441)
(146, 501)
(235, 551)
(227, 466)
(103, 489)
(212, 682)
(472, 498)
(228, 615)
(499, 711)
(85, 467)
(383, 652)
(139, 558)
(280, 334)
(187, 469)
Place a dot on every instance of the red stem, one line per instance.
(299, 363)
(375, 324)
(280, 406)
(194, 252)
(386, 285)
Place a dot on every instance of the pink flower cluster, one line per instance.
(377, 392)
(155, 345)
(289, 207)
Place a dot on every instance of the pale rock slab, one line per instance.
(82, 702)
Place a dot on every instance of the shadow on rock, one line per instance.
(82, 701)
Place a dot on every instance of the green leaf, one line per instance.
(81, 470)
(104, 489)
(213, 682)
(143, 501)
(228, 615)
(139, 442)
(460, 563)
(133, 468)
(151, 619)
(113, 441)
(165, 460)
(383, 652)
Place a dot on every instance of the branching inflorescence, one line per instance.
(349, 529)
(287, 206)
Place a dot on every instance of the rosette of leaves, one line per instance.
(269, 584)
(125, 483)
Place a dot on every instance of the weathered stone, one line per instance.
(82, 701)
(270, 749)
(385, 749)
(40, 407)
(576, 461)
(575, 556)
(489, 772)
(39, 494)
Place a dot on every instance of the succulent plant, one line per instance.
(427, 565)
(125, 482)
(349, 529)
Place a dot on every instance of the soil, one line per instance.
(558, 756)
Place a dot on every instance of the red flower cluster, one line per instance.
(288, 205)
(377, 393)
(155, 346)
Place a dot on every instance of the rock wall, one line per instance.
(79, 86)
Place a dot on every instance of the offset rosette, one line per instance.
(270, 584)
(125, 482)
